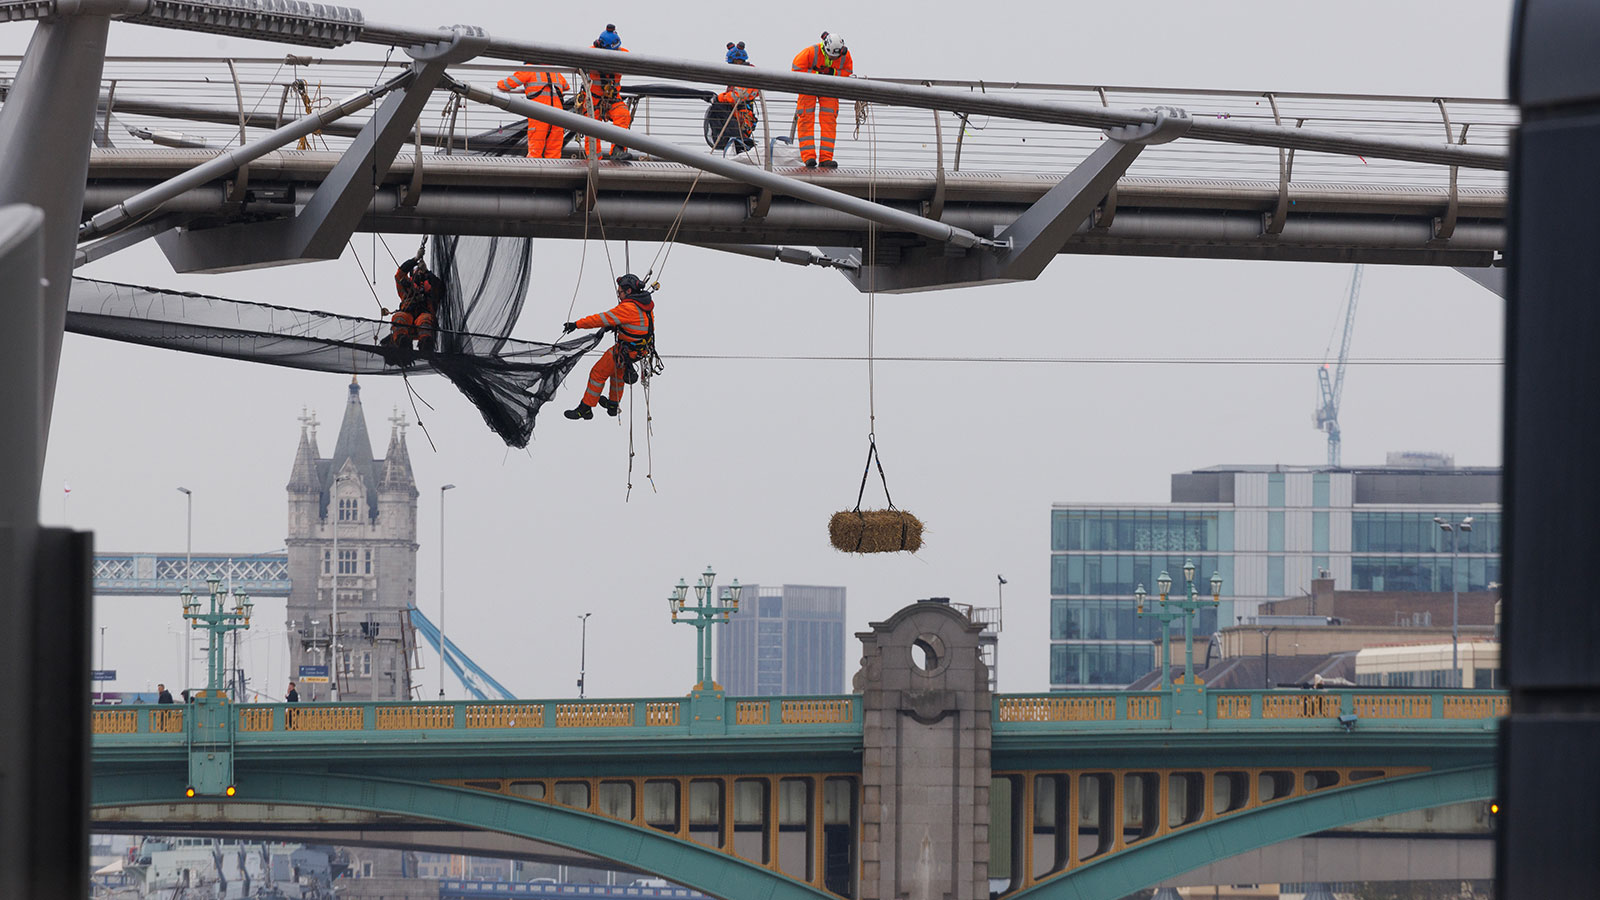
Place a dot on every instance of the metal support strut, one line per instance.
(804, 190)
(324, 226)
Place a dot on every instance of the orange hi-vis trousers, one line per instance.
(406, 327)
(544, 141)
(613, 111)
(807, 106)
(609, 367)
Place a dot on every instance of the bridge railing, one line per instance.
(630, 718)
(1251, 709)
(200, 97)
(625, 718)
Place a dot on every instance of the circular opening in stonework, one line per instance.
(924, 656)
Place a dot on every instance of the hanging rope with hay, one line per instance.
(875, 530)
(889, 530)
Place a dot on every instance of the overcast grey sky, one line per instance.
(752, 457)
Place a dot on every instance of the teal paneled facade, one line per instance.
(1268, 531)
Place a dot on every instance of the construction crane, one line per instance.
(1331, 388)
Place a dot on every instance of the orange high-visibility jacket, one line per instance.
(816, 62)
(632, 319)
(743, 100)
(540, 87)
(606, 85)
(739, 95)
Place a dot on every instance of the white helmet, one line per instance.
(833, 45)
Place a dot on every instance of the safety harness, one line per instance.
(641, 350)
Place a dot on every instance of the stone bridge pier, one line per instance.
(925, 766)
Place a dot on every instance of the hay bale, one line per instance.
(875, 531)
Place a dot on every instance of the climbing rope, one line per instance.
(864, 116)
(664, 252)
(413, 396)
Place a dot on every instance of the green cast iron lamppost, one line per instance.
(1171, 608)
(705, 613)
(216, 623)
(208, 725)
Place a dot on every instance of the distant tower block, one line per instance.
(373, 503)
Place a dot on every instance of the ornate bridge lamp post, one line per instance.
(208, 720)
(1171, 608)
(216, 623)
(705, 613)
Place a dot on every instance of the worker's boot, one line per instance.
(811, 164)
(612, 407)
(581, 411)
(828, 164)
(621, 154)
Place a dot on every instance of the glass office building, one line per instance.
(783, 641)
(1267, 530)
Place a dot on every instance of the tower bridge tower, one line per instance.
(372, 503)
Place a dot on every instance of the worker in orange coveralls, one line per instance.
(549, 88)
(605, 98)
(828, 56)
(743, 101)
(421, 292)
(634, 321)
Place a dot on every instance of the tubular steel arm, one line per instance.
(323, 25)
(148, 201)
(1223, 130)
(883, 215)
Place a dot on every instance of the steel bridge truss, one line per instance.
(887, 227)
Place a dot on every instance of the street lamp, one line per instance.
(442, 489)
(704, 613)
(217, 622)
(1455, 590)
(1171, 609)
(188, 578)
(583, 651)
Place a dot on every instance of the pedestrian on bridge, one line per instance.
(163, 695)
(293, 696)
(634, 321)
(828, 56)
(605, 98)
(549, 88)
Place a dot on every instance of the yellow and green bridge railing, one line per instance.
(1091, 794)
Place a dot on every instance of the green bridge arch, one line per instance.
(1157, 859)
(703, 868)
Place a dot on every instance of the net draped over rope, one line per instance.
(486, 278)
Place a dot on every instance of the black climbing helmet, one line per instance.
(630, 284)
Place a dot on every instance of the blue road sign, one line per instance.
(103, 675)
(314, 674)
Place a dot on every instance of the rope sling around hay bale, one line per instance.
(878, 530)
(875, 530)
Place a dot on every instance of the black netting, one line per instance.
(507, 380)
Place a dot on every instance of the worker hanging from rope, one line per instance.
(828, 56)
(632, 357)
(549, 88)
(605, 99)
(421, 294)
(737, 103)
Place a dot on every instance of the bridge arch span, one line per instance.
(1161, 858)
(703, 868)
